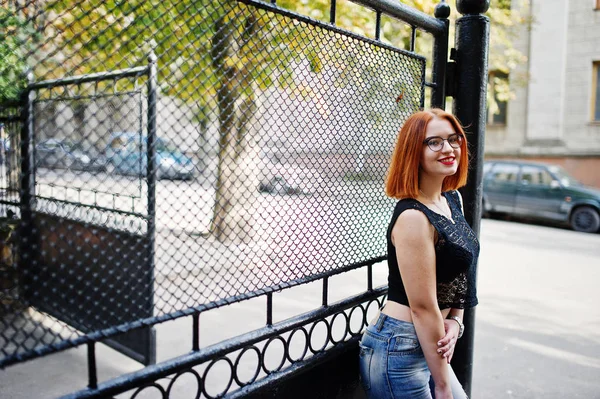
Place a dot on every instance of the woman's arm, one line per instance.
(460, 201)
(413, 238)
(452, 328)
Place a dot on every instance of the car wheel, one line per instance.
(585, 219)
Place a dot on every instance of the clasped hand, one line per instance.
(447, 344)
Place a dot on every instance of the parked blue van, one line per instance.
(126, 153)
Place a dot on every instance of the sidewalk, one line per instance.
(537, 333)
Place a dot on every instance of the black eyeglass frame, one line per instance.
(459, 141)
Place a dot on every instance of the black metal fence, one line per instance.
(171, 157)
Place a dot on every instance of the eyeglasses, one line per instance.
(437, 143)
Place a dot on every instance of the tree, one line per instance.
(217, 57)
(17, 39)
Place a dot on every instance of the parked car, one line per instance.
(540, 191)
(279, 185)
(64, 154)
(284, 179)
(127, 154)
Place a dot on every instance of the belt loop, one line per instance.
(380, 322)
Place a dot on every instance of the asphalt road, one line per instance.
(538, 321)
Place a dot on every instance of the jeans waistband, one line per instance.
(384, 320)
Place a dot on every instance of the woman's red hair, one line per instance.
(403, 175)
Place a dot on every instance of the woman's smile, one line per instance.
(448, 161)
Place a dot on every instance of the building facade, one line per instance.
(555, 116)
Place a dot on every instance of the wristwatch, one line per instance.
(461, 326)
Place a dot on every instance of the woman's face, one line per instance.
(439, 157)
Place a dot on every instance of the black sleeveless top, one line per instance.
(456, 252)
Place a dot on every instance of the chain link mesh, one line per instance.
(273, 135)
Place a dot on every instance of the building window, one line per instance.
(596, 91)
(498, 90)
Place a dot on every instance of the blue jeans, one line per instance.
(392, 364)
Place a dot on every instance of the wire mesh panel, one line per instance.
(265, 168)
(10, 127)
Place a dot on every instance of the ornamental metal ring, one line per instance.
(289, 341)
(264, 366)
(153, 385)
(365, 321)
(191, 371)
(237, 362)
(228, 361)
(310, 334)
(359, 306)
(346, 327)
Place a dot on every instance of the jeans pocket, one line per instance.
(404, 345)
(365, 357)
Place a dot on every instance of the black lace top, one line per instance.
(456, 252)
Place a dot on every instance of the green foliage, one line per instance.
(502, 4)
(17, 37)
(85, 36)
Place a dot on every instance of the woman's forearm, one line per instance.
(456, 312)
(429, 325)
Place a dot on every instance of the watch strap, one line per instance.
(461, 326)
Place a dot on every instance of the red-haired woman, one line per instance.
(432, 251)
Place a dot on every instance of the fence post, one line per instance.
(440, 57)
(27, 250)
(151, 175)
(469, 106)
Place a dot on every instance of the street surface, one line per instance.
(537, 333)
(538, 321)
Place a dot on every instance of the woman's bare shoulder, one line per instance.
(412, 224)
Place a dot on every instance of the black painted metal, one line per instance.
(474, 7)
(90, 78)
(54, 242)
(149, 333)
(471, 55)
(419, 19)
(92, 372)
(196, 332)
(440, 55)
(332, 375)
(163, 371)
(268, 379)
(405, 13)
(28, 243)
(332, 12)
(325, 291)
(269, 309)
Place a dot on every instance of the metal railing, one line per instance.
(253, 157)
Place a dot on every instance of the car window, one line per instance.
(545, 178)
(563, 176)
(504, 173)
(486, 168)
(50, 145)
(535, 175)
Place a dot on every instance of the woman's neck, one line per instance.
(431, 191)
